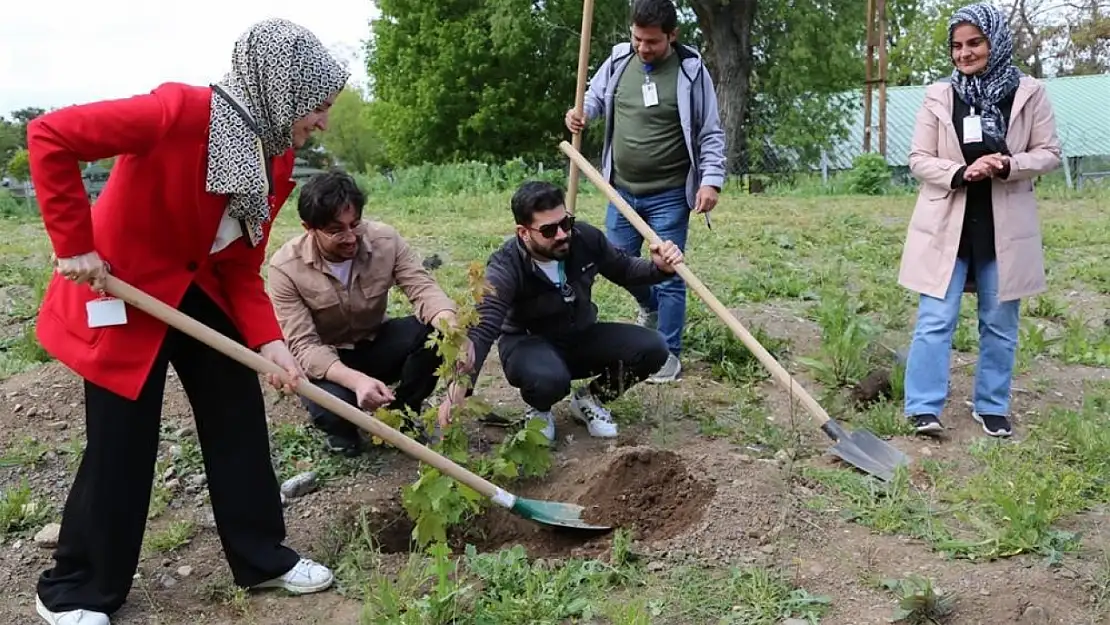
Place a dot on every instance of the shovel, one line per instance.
(859, 448)
(544, 512)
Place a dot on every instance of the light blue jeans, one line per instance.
(668, 214)
(927, 367)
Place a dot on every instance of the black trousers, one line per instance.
(396, 355)
(621, 355)
(106, 510)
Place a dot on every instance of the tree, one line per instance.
(777, 67)
(726, 27)
(1086, 48)
(480, 79)
(350, 136)
(19, 166)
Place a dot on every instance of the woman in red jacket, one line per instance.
(185, 216)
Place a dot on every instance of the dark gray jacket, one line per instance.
(525, 301)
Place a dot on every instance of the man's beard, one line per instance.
(554, 252)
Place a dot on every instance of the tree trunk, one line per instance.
(726, 26)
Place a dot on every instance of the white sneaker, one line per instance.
(548, 419)
(71, 617)
(598, 421)
(304, 578)
(668, 372)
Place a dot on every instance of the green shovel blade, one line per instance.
(554, 513)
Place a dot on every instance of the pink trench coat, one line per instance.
(933, 235)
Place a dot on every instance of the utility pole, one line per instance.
(876, 38)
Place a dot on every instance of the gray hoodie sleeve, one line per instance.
(711, 138)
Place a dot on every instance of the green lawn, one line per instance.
(827, 264)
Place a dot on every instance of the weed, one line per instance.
(987, 513)
(20, 511)
(175, 536)
(845, 337)
(919, 602)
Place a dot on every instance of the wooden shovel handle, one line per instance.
(248, 357)
(580, 95)
(781, 375)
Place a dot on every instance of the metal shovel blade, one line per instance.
(865, 451)
(554, 513)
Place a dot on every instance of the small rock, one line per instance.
(299, 485)
(1034, 615)
(656, 566)
(168, 473)
(17, 545)
(168, 581)
(744, 459)
(197, 480)
(175, 451)
(1066, 574)
(926, 451)
(32, 411)
(172, 484)
(48, 535)
(185, 571)
(17, 407)
(57, 426)
(767, 549)
(183, 432)
(984, 592)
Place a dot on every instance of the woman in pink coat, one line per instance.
(981, 137)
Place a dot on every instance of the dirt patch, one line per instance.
(648, 491)
(645, 490)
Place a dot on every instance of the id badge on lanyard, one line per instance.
(651, 95)
(973, 128)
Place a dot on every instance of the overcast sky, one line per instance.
(60, 52)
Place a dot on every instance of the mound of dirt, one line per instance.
(648, 491)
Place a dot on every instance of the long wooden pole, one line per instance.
(881, 19)
(868, 75)
(174, 318)
(781, 375)
(580, 95)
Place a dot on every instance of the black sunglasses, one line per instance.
(550, 230)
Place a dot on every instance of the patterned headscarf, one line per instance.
(280, 72)
(984, 91)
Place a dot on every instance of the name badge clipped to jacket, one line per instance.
(973, 128)
(106, 311)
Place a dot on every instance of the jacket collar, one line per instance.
(939, 99)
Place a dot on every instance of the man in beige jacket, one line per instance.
(330, 288)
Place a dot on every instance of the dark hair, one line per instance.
(661, 13)
(325, 195)
(535, 196)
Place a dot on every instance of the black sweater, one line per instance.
(977, 239)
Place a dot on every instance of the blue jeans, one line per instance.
(927, 368)
(668, 214)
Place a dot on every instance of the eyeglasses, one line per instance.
(355, 231)
(550, 230)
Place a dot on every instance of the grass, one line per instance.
(815, 273)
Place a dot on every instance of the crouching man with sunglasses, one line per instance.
(541, 314)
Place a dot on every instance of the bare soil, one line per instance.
(695, 499)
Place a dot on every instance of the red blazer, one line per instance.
(154, 225)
